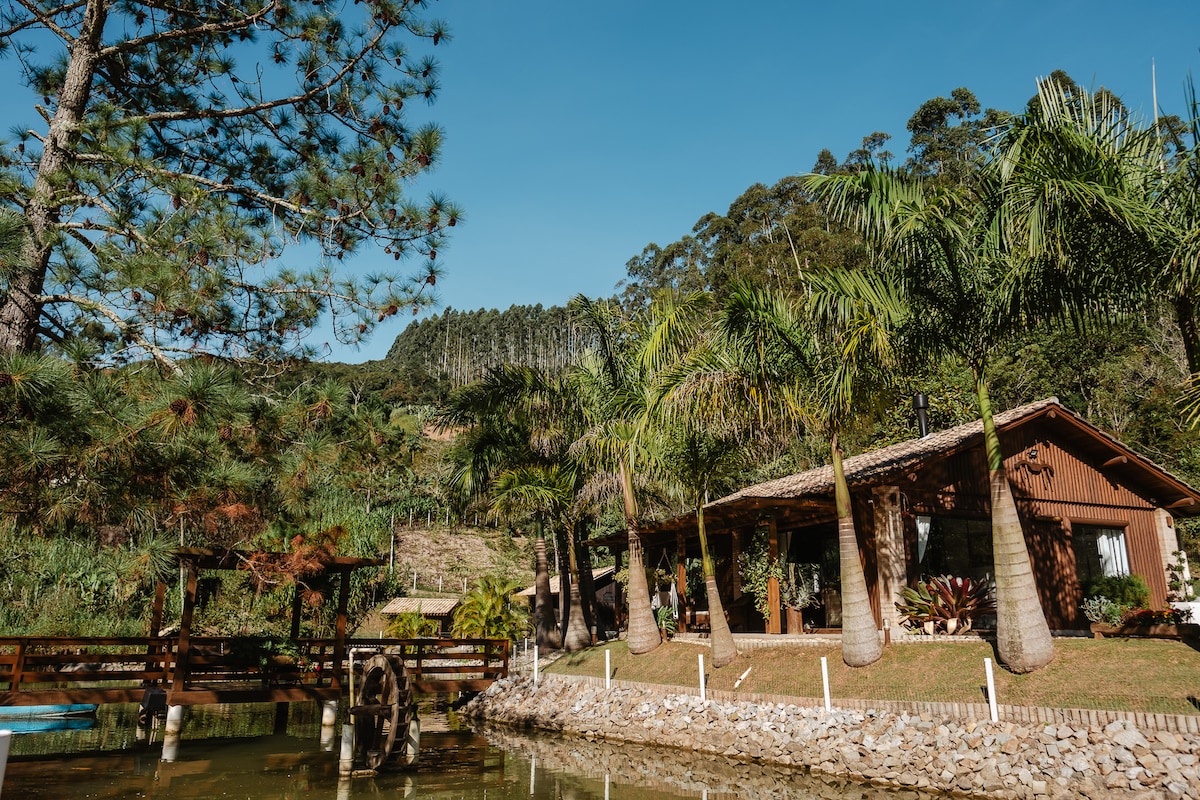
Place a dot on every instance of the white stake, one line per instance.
(825, 681)
(700, 657)
(991, 690)
(738, 682)
(535, 665)
(606, 786)
(414, 580)
(607, 669)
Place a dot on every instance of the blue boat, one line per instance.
(43, 724)
(45, 712)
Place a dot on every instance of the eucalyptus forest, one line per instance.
(156, 389)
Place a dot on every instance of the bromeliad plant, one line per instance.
(944, 604)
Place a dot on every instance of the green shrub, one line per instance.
(1128, 591)
(412, 625)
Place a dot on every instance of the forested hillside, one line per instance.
(450, 349)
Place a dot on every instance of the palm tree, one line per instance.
(544, 491)
(826, 389)
(614, 384)
(943, 252)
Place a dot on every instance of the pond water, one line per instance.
(233, 752)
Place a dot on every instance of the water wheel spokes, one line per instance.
(383, 713)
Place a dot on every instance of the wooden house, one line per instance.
(1089, 506)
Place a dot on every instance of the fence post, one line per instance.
(700, 657)
(607, 668)
(991, 690)
(825, 681)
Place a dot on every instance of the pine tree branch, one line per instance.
(131, 332)
(208, 29)
(45, 18)
(268, 105)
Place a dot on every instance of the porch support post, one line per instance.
(339, 644)
(773, 621)
(889, 546)
(185, 628)
(296, 608)
(735, 558)
(618, 595)
(681, 578)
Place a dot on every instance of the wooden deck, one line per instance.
(63, 670)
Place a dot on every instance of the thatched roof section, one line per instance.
(597, 575)
(426, 606)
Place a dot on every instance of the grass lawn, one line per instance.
(1155, 675)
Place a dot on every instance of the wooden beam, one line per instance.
(681, 576)
(1183, 502)
(339, 643)
(773, 602)
(185, 629)
(1112, 462)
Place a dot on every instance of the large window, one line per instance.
(1099, 553)
(953, 546)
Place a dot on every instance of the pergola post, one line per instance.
(618, 595)
(681, 578)
(339, 643)
(185, 628)
(773, 601)
(889, 551)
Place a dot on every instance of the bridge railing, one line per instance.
(58, 669)
(445, 665)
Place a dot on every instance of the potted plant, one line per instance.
(944, 604)
(800, 589)
(665, 617)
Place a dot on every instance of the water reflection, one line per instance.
(233, 752)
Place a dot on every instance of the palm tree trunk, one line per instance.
(643, 634)
(577, 636)
(547, 636)
(860, 639)
(1185, 316)
(1023, 641)
(724, 649)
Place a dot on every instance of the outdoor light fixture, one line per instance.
(921, 406)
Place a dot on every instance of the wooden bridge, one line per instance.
(199, 670)
(67, 670)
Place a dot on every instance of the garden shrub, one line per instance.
(1128, 591)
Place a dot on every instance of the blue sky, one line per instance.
(579, 132)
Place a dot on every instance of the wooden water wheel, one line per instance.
(385, 721)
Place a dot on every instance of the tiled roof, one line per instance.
(894, 458)
(428, 606)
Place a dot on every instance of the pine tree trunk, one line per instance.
(1023, 641)
(860, 639)
(20, 308)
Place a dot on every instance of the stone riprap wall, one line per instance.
(917, 751)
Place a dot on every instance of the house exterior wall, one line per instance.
(1056, 488)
